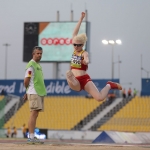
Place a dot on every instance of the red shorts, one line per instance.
(83, 80)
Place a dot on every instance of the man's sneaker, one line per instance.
(30, 141)
(114, 85)
(38, 141)
(34, 141)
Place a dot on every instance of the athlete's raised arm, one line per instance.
(76, 30)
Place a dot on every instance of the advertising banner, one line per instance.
(53, 87)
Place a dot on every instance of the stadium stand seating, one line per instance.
(111, 112)
(133, 117)
(73, 112)
(102, 105)
(11, 111)
(61, 113)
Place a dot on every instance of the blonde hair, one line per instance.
(81, 37)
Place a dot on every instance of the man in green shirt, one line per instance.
(35, 91)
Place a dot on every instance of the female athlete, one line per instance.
(77, 77)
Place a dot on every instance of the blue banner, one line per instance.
(53, 87)
(145, 91)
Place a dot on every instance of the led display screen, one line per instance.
(54, 37)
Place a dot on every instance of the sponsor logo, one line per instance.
(58, 88)
(8, 88)
(52, 88)
(22, 89)
(56, 41)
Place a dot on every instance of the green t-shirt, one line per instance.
(38, 80)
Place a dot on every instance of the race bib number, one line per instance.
(76, 61)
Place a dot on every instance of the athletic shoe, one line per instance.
(114, 85)
(38, 141)
(30, 141)
(34, 141)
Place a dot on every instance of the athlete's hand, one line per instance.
(25, 97)
(82, 15)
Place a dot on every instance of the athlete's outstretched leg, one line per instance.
(72, 81)
(99, 96)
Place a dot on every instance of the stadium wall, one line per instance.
(97, 136)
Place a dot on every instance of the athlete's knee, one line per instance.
(72, 78)
(98, 98)
(76, 89)
(69, 73)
